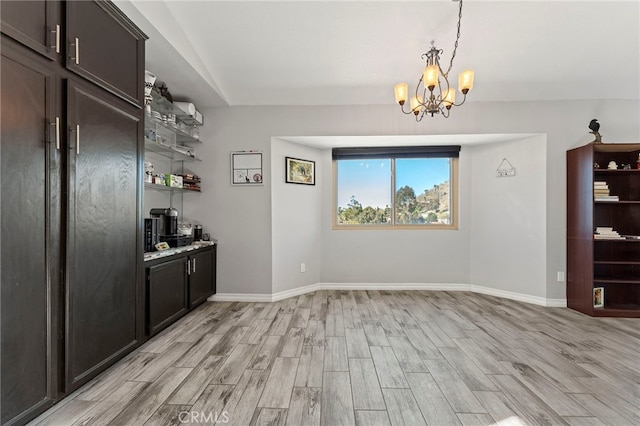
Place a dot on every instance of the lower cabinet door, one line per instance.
(166, 293)
(202, 276)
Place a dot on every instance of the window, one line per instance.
(396, 187)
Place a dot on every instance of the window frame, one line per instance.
(393, 154)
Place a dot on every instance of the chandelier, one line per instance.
(433, 94)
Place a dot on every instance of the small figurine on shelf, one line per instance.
(164, 91)
(594, 126)
(638, 162)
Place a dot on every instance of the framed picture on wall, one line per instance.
(246, 168)
(300, 171)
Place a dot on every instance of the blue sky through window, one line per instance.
(370, 180)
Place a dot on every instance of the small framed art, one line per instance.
(246, 168)
(598, 297)
(300, 171)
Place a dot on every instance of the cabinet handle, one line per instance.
(194, 265)
(58, 133)
(77, 139)
(77, 49)
(56, 130)
(56, 45)
(188, 267)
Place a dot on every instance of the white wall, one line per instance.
(508, 217)
(296, 217)
(241, 217)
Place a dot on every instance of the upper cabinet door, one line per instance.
(104, 46)
(36, 24)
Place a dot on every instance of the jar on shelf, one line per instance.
(195, 133)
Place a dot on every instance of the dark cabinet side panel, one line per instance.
(30, 207)
(103, 230)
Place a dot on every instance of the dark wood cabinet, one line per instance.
(178, 283)
(30, 218)
(599, 198)
(202, 272)
(166, 293)
(102, 242)
(34, 23)
(71, 265)
(105, 48)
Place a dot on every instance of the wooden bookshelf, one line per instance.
(613, 264)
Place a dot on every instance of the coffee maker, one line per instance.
(168, 227)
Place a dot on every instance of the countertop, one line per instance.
(177, 250)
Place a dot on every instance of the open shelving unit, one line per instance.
(613, 264)
(169, 146)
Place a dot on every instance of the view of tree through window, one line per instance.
(402, 191)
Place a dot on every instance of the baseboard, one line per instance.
(557, 303)
(242, 297)
(395, 286)
(534, 300)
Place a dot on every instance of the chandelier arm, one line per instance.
(455, 47)
(405, 112)
(463, 99)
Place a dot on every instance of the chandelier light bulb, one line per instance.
(465, 81)
(402, 92)
(430, 77)
(416, 102)
(449, 97)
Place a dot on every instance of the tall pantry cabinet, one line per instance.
(72, 80)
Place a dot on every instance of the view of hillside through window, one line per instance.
(421, 195)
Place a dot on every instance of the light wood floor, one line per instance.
(372, 358)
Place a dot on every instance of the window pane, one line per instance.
(364, 191)
(422, 191)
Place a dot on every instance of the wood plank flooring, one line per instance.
(372, 358)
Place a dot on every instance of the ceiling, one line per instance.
(218, 53)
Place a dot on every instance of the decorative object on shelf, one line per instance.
(149, 80)
(246, 168)
(638, 162)
(437, 95)
(300, 171)
(596, 165)
(598, 297)
(505, 170)
(594, 126)
(148, 172)
(612, 165)
(164, 92)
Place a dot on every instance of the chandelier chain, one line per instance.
(455, 47)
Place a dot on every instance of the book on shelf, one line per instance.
(607, 233)
(607, 198)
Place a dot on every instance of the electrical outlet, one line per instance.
(560, 276)
(303, 267)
